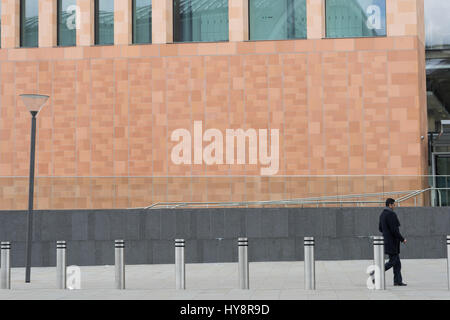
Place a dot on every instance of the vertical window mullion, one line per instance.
(22, 22)
(58, 21)
(133, 14)
(96, 21)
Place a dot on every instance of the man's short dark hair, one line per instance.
(389, 202)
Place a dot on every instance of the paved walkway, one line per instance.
(427, 279)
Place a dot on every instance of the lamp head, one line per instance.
(34, 102)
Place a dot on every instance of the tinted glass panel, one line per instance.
(67, 32)
(104, 21)
(355, 18)
(142, 21)
(200, 20)
(437, 27)
(277, 19)
(437, 24)
(29, 36)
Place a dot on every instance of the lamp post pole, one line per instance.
(31, 197)
(34, 104)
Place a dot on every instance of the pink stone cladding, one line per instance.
(343, 107)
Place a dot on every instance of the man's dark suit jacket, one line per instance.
(389, 226)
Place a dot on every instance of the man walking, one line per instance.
(389, 226)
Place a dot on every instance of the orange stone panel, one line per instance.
(336, 113)
(178, 109)
(83, 107)
(65, 120)
(342, 107)
(160, 119)
(7, 117)
(216, 113)
(102, 118)
(294, 146)
(140, 121)
(121, 118)
(26, 77)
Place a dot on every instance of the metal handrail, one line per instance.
(362, 195)
(305, 201)
(423, 191)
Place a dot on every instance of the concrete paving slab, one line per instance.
(335, 280)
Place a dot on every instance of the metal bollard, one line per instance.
(180, 270)
(244, 282)
(5, 272)
(120, 264)
(448, 261)
(310, 264)
(61, 274)
(378, 260)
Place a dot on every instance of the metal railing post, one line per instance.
(244, 283)
(180, 267)
(378, 259)
(310, 264)
(61, 274)
(448, 261)
(5, 273)
(120, 264)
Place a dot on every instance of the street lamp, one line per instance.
(34, 104)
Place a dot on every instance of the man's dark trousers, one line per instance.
(394, 261)
(389, 226)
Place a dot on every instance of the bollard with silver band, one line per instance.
(378, 260)
(120, 264)
(180, 269)
(244, 282)
(448, 261)
(310, 264)
(61, 274)
(5, 273)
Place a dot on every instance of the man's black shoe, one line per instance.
(400, 284)
(371, 275)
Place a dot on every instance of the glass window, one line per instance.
(29, 26)
(67, 19)
(355, 18)
(437, 28)
(437, 24)
(104, 22)
(199, 20)
(277, 19)
(142, 21)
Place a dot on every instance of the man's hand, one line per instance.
(404, 241)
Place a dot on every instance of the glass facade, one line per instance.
(142, 21)
(437, 43)
(104, 22)
(29, 23)
(355, 18)
(200, 20)
(437, 29)
(277, 19)
(67, 23)
(437, 24)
